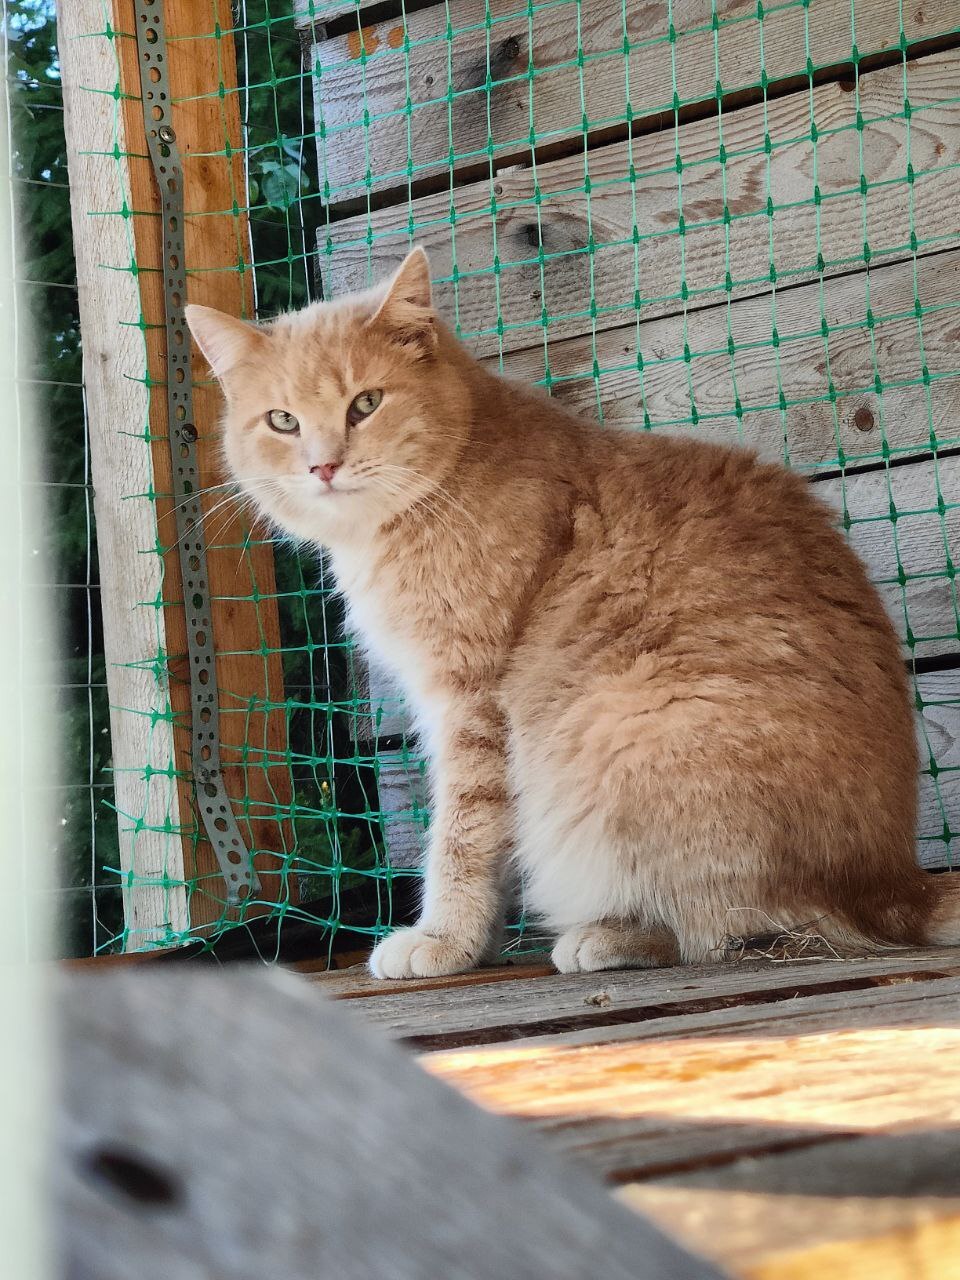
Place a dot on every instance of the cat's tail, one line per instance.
(942, 928)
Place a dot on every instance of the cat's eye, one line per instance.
(363, 405)
(280, 420)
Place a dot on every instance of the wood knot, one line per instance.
(863, 419)
(509, 50)
(132, 1176)
(530, 232)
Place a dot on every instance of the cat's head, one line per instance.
(343, 414)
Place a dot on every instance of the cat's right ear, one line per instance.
(406, 311)
(224, 340)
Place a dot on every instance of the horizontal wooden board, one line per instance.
(772, 1066)
(503, 40)
(761, 1137)
(624, 280)
(357, 982)
(531, 1004)
(690, 382)
(316, 12)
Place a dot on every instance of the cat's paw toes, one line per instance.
(584, 949)
(414, 953)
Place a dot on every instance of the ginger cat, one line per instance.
(649, 670)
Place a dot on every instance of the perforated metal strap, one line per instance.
(213, 803)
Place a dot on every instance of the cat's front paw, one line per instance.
(587, 948)
(572, 951)
(414, 953)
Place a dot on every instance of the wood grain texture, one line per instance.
(781, 1139)
(117, 402)
(778, 1138)
(354, 1163)
(316, 12)
(690, 382)
(908, 555)
(357, 982)
(732, 1063)
(797, 1226)
(370, 68)
(938, 731)
(527, 1003)
(624, 281)
(249, 673)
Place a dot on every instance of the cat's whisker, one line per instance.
(229, 516)
(212, 488)
(243, 551)
(424, 500)
(439, 490)
(198, 494)
(199, 525)
(239, 501)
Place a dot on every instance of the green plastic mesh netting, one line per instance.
(729, 218)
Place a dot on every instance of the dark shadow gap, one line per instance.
(720, 1159)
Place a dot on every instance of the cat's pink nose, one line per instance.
(325, 470)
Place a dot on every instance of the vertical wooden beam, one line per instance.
(118, 409)
(202, 73)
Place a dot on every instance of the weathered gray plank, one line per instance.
(663, 264)
(938, 731)
(357, 982)
(690, 383)
(310, 12)
(118, 402)
(931, 1001)
(558, 96)
(652, 1146)
(526, 1007)
(907, 557)
(270, 1125)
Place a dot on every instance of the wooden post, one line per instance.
(118, 404)
(202, 73)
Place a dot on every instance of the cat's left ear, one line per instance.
(406, 313)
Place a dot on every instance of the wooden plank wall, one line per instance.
(629, 203)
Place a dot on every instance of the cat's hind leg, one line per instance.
(615, 944)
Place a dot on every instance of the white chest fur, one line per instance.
(386, 631)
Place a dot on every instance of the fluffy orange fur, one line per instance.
(650, 671)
